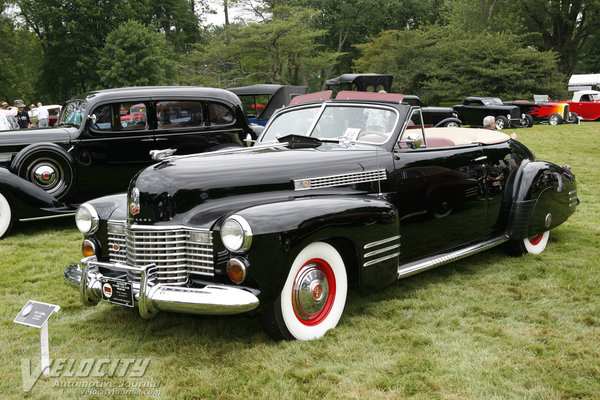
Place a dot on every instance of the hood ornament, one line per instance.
(134, 206)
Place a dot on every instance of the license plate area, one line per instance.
(116, 291)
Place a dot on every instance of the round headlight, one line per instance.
(236, 233)
(86, 219)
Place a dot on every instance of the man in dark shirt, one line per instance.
(22, 115)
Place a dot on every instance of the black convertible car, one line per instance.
(336, 193)
(102, 139)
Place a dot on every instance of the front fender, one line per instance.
(364, 230)
(27, 200)
(544, 195)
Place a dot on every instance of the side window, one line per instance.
(179, 114)
(220, 114)
(120, 117)
(103, 115)
(133, 116)
(254, 105)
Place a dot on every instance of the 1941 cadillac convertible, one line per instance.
(351, 192)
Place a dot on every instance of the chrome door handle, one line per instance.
(482, 158)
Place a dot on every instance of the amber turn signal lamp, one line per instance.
(88, 248)
(236, 270)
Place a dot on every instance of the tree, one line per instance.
(565, 26)
(281, 49)
(176, 19)
(135, 55)
(440, 63)
(19, 70)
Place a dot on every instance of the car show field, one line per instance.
(488, 326)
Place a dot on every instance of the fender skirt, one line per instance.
(544, 196)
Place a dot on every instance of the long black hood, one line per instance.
(214, 181)
(29, 136)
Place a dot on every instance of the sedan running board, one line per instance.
(424, 264)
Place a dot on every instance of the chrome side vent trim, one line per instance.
(385, 249)
(340, 180)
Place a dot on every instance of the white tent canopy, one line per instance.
(584, 82)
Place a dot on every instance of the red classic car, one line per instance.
(586, 104)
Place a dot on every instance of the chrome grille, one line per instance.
(340, 180)
(566, 112)
(177, 252)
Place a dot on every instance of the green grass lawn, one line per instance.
(486, 327)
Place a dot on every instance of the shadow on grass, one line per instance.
(43, 226)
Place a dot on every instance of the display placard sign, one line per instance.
(35, 313)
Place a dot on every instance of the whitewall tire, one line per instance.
(536, 244)
(5, 216)
(532, 245)
(313, 297)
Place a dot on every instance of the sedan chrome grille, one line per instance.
(177, 252)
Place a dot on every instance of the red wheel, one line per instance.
(536, 244)
(313, 297)
(313, 292)
(532, 245)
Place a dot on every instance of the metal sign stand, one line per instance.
(36, 314)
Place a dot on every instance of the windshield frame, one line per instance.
(65, 112)
(322, 107)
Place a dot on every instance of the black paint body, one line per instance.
(473, 111)
(436, 199)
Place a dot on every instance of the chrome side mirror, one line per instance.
(93, 118)
(414, 140)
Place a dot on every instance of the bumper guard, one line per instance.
(152, 297)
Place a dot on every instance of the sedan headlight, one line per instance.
(86, 219)
(236, 234)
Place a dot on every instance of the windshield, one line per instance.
(490, 101)
(361, 123)
(72, 113)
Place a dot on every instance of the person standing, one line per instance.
(42, 116)
(6, 113)
(22, 115)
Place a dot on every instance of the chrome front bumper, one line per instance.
(151, 297)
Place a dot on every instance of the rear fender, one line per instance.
(445, 121)
(364, 230)
(543, 196)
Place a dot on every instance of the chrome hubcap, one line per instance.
(45, 175)
(310, 291)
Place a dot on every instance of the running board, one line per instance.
(437, 260)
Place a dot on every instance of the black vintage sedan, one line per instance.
(102, 139)
(336, 194)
